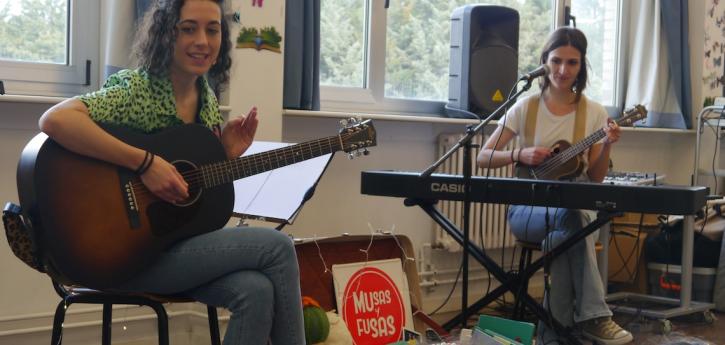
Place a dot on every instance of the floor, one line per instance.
(690, 330)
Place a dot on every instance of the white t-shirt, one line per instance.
(551, 128)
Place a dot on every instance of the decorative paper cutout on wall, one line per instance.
(713, 72)
(267, 38)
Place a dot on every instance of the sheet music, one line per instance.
(278, 194)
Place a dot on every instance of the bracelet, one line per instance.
(512, 156)
(518, 156)
(151, 160)
(147, 160)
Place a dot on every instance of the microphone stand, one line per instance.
(465, 142)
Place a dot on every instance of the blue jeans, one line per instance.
(253, 272)
(576, 292)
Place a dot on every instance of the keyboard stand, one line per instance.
(510, 281)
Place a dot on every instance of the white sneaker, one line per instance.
(604, 331)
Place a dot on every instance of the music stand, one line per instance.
(277, 195)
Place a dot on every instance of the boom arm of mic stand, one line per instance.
(470, 133)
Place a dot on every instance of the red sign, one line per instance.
(373, 308)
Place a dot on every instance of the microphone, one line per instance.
(538, 72)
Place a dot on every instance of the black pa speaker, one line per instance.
(483, 64)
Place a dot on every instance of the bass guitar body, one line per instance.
(97, 224)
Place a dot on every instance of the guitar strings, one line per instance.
(554, 163)
(550, 165)
(222, 170)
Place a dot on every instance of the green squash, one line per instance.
(317, 326)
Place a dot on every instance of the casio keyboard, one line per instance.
(674, 200)
(608, 199)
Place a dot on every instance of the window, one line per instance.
(396, 60)
(599, 20)
(47, 46)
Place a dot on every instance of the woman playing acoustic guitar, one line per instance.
(561, 112)
(252, 271)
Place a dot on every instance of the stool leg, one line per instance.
(58, 319)
(106, 327)
(524, 261)
(525, 286)
(163, 322)
(213, 325)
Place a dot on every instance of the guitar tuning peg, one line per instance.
(343, 122)
(366, 152)
(352, 121)
(350, 155)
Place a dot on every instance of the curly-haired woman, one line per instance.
(182, 46)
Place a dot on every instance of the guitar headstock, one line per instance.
(632, 115)
(356, 136)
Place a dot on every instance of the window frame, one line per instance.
(74, 77)
(371, 96)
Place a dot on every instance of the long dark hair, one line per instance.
(568, 36)
(154, 44)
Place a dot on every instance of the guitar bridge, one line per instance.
(130, 202)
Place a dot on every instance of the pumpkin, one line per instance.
(317, 326)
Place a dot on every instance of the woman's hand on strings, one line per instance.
(534, 155)
(162, 179)
(613, 132)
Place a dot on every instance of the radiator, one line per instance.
(487, 225)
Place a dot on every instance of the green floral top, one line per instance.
(141, 101)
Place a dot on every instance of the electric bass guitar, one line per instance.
(98, 225)
(566, 161)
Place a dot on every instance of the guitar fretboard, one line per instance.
(231, 170)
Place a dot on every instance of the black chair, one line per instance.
(74, 294)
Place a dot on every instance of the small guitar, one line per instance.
(566, 161)
(97, 223)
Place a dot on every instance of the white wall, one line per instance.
(27, 300)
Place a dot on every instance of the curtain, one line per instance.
(302, 55)
(675, 18)
(656, 71)
(141, 7)
(116, 35)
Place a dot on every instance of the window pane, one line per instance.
(34, 30)
(598, 20)
(342, 43)
(418, 40)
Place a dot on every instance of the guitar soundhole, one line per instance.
(165, 217)
(193, 178)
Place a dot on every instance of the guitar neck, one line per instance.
(573, 150)
(583, 145)
(231, 170)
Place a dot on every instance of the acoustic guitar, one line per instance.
(566, 161)
(98, 225)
